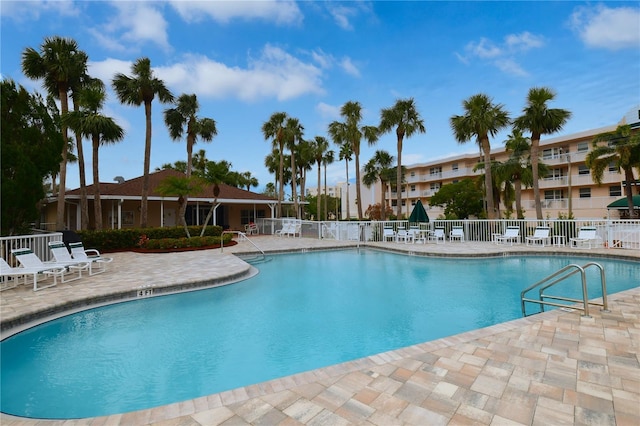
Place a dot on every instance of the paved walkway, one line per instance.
(553, 368)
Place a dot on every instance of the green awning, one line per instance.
(622, 203)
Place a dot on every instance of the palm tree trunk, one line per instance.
(294, 183)
(318, 200)
(84, 208)
(348, 212)
(535, 143)
(399, 178)
(60, 208)
(147, 166)
(488, 179)
(628, 175)
(326, 201)
(281, 180)
(517, 184)
(358, 192)
(97, 204)
(185, 197)
(383, 200)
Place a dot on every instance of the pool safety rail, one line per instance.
(560, 276)
(241, 236)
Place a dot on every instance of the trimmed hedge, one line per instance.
(125, 239)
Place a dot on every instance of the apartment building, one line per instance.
(567, 189)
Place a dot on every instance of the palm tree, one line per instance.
(180, 186)
(59, 63)
(293, 131)
(216, 172)
(345, 154)
(351, 132)
(623, 150)
(274, 129)
(183, 119)
(327, 159)
(517, 167)
(482, 119)
(539, 119)
(304, 163)
(89, 122)
(141, 88)
(405, 119)
(379, 167)
(320, 146)
(199, 162)
(249, 180)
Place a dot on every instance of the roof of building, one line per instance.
(132, 188)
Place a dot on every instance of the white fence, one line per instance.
(39, 243)
(611, 233)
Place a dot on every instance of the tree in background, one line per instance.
(481, 119)
(319, 148)
(350, 131)
(327, 159)
(31, 145)
(540, 120)
(181, 187)
(379, 168)
(274, 129)
(293, 133)
(183, 120)
(460, 200)
(140, 89)
(404, 117)
(89, 122)
(59, 63)
(345, 154)
(623, 150)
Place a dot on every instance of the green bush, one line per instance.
(125, 239)
(193, 242)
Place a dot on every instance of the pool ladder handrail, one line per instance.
(568, 271)
(242, 236)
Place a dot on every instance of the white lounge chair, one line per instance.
(97, 262)
(62, 256)
(285, 230)
(32, 265)
(437, 235)
(10, 276)
(511, 234)
(457, 233)
(294, 229)
(388, 233)
(586, 237)
(540, 235)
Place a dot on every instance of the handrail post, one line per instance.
(585, 296)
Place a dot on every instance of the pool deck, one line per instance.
(552, 368)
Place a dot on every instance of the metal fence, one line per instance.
(39, 243)
(610, 233)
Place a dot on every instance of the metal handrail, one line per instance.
(568, 271)
(243, 236)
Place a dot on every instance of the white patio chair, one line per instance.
(457, 233)
(32, 265)
(388, 233)
(540, 235)
(511, 235)
(97, 262)
(404, 235)
(586, 237)
(437, 235)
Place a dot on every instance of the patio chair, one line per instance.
(540, 235)
(511, 234)
(404, 235)
(437, 235)
(32, 265)
(388, 233)
(97, 262)
(294, 229)
(10, 276)
(586, 237)
(251, 229)
(457, 233)
(62, 256)
(285, 230)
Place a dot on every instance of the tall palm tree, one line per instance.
(320, 146)
(140, 89)
(404, 117)
(59, 63)
(346, 152)
(623, 150)
(249, 180)
(378, 168)
(89, 122)
(482, 119)
(183, 119)
(539, 119)
(293, 131)
(352, 132)
(327, 159)
(518, 166)
(304, 163)
(274, 129)
(199, 162)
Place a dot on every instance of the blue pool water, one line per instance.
(303, 311)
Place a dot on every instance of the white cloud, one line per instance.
(341, 15)
(280, 12)
(608, 28)
(484, 49)
(524, 41)
(349, 67)
(32, 10)
(140, 23)
(509, 66)
(273, 74)
(326, 111)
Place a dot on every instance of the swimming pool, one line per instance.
(301, 312)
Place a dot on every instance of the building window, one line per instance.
(246, 216)
(612, 167)
(413, 188)
(554, 174)
(583, 170)
(435, 170)
(413, 174)
(583, 146)
(615, 191)
(454, 167)
(553, 194)
(551, 153)
(585, 192)
(435, 186)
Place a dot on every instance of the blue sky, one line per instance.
(247, 60)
